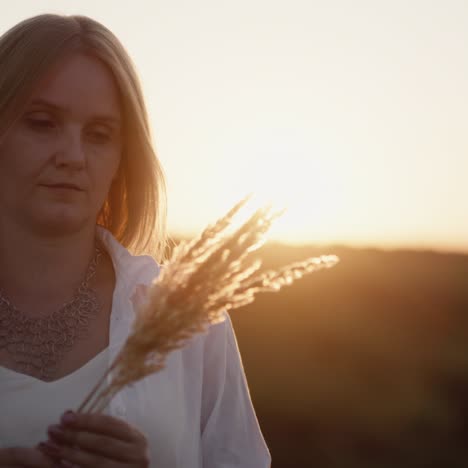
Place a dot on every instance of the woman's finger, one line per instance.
(70, 456)
(24, 457)
(74, 456)
(101, 424)
(98, 444)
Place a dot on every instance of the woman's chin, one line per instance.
(60, 224)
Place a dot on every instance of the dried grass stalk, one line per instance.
(203, 278)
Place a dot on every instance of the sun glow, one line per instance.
(295, 180)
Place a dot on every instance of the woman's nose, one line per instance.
(72, 151)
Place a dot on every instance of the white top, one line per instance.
(28, 405)
(196, 412)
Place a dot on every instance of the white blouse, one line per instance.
(29, 405)
(196, 412)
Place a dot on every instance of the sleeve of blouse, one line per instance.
(231, 435)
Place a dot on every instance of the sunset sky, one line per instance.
(352, 114)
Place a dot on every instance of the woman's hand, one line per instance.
(96, 440)
(16, 457)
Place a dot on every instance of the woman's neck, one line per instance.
(39, 274)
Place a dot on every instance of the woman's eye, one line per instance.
(41, 124)
(99, 137)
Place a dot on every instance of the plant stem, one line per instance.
(95, 389)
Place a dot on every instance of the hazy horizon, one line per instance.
(386, 247)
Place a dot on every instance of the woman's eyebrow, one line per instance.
(110, 118)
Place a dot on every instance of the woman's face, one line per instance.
(58, 160)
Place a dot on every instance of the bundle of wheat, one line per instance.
(203, 278)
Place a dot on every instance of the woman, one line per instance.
(81, 188)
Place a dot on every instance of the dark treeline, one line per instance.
(363, 365)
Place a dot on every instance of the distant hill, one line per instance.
(365, 364)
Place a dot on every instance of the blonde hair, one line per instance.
(135, 209)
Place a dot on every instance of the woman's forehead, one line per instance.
(79, 83)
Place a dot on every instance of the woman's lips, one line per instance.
(63, 187)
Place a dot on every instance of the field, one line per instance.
(362, 365)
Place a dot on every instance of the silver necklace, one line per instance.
(38, 344)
